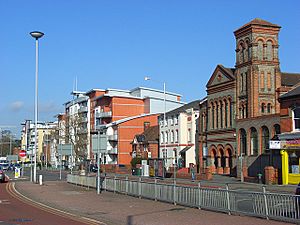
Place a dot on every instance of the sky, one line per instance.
(116, 43)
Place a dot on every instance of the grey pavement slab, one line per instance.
(118, 209)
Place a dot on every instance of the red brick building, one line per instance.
(242, 112)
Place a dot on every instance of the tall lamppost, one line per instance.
(36, 35)
(165, 150)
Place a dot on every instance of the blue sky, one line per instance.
(114, 44)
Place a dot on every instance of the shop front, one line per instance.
(290, 156)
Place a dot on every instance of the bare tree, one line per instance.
(76, 134)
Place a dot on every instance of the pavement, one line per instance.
(117, 209)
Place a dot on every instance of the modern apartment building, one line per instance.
(44, 132)
(178, 139)
(115, 108)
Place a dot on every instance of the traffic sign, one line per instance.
(22, 153)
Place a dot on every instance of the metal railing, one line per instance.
(283, 207)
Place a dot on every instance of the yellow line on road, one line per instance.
(10, 188)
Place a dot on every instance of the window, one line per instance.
(294, 162)
(226, 113)
(269, 108)
(254, 142)
(162, 137)
(176, 136)
(296, 118)
(243, 142)
(212, 116)
(172, 121)
(262, 108)
(217, 115)
(265, 139)
(166, 137)
(260, 50)
(269, 51)
(172, 136)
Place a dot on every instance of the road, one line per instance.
(16, 210)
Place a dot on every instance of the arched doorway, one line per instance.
(228, 160)
(213, 159)
(221, 160)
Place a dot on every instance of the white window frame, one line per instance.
(294, 118)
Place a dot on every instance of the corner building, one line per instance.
(241, 113)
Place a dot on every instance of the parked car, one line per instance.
(4, 166)
(93, 168)
(2, 176)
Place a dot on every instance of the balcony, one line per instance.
(83, 109)
(103, 114)
(113, 137)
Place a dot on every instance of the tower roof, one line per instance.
(257, 22)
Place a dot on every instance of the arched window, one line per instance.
(254, 141)
(248, 50)
(269, 108)
(226, 113)
(221, 114)
(265, 139)
(217, 115)
(212, 116)
(230, 112)
(243, 141)
(263, 108)
(262, 81)
(269, 51)
(260, 50)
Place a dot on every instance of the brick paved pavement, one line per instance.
(117, 209)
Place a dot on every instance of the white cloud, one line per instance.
(16, 106)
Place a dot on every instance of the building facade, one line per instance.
(178, 135)
(241, 113)
(44, 131)
(290, 135)
(140, 105)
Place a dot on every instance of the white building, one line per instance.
(178, 140)
(44, 132)
(77, 112)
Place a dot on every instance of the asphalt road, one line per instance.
(15, 210)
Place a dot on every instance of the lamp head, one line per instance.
(36, 34)
(146, 78)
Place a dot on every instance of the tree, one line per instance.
(76, 134)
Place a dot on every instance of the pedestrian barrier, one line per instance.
(283, 207)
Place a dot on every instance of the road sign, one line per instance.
(275, 144)
(65, 149)
(99, 142)
(22, 153)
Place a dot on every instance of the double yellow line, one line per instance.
(10, 188)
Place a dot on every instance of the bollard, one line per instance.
(41, 179)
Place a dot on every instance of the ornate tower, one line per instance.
(257, 69)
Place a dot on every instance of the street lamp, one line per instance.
(146, 79)
(36, 35)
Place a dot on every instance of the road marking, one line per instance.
(12, 191)
(4, 202)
